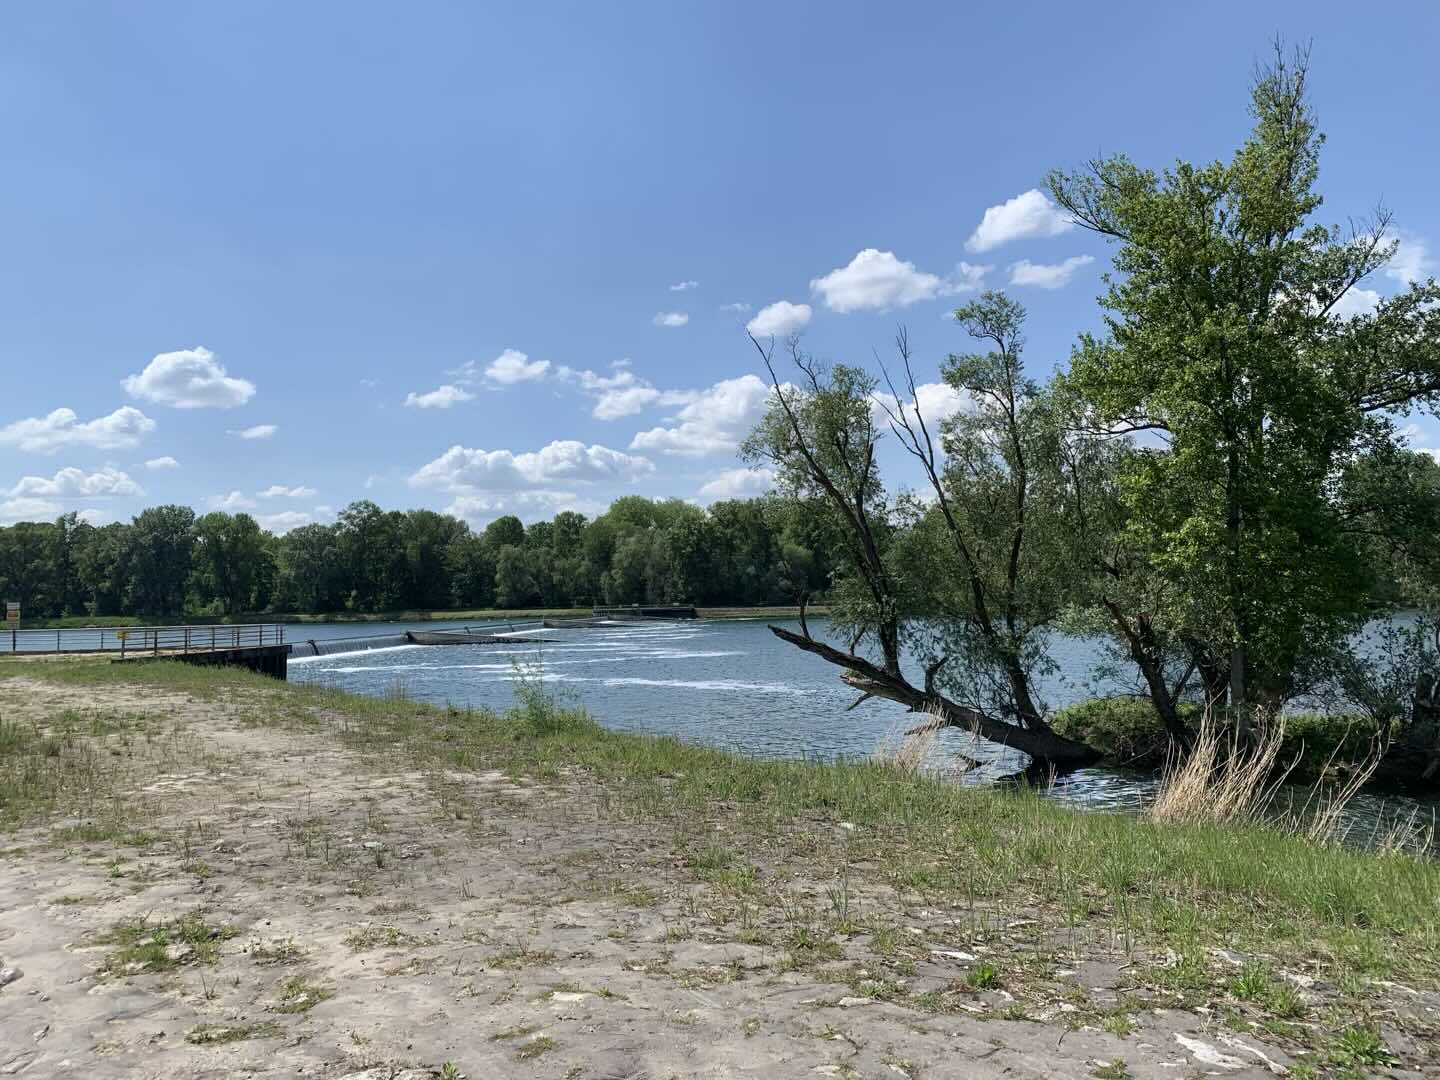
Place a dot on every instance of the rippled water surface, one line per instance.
(729, 684)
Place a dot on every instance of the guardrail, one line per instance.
(125, 640)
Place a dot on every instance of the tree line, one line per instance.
(170, 562)
(1218, 483)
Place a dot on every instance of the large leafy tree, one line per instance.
(160, 556)
(1226, 340)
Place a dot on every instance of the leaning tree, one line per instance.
(969, 579)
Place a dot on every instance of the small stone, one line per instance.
(40, 1033)
(9, 975)
(852, 1002)
(372, 845)
(568, 997)
(951, 954)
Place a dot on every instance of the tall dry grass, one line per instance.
(1221, 781)
(907, 747)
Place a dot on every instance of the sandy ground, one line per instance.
(376, 923)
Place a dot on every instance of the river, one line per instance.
(731, 685)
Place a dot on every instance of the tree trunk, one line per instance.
(1047, 750)
(1412, 761)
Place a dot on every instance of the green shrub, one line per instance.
(1126, 730)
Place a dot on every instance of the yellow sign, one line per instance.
(122, 634)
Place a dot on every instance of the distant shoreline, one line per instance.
(782, 612)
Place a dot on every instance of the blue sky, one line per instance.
(433, 254)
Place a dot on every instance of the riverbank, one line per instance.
(208, 870)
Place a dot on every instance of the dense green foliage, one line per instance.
(169, 563)
(1314, 745)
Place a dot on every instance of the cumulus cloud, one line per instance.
(1048, 275)
(621, 393)
(779, 319)
(568, 461)
(529, 506)
(77, 483)
(738, 484)
(93, 516)
(684, 286)
(513, 366)
(714, 422)
(166, 462)
(1410, 263)
(189, 379)
(1356, 301)
(879, 280)
(28, 509)
(938, 401)
(283, 521)
(441, 397)
(125, 427)
(259, 431)
(280, 491)
(1029, 214)
(671, 318)
(231, 503)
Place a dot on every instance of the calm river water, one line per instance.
(728, 684)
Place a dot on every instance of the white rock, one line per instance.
(1206, 1054)
(851, 1002)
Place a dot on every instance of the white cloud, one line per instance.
(714, 422)
(280, 491)
(737, 307)
(878, 280)
(1027, 214)
(259, 431)
(236, 500)
(779, 319)
(938, 401)
(28, 509)
(441, 397)
(513, 366)
(739, 484)
(684, 286)
(529, 506)
(93, 516)
(166, 462)
(283, 521)
(622, 393)
(189, 379)
(125, 427)
(1356, 301)
(76, 483)
(1410, 263)
(1047, 275)
(463, 470)
(671, 318)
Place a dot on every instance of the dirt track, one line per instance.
(323, 916)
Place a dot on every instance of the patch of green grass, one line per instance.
(370, 938)
(212, 1034)
(1360, 1046)
(299, 995)
(1111, 1070)
(147, 947)
(983, 976)
(533, 1048)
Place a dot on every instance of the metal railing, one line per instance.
(126, 640)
